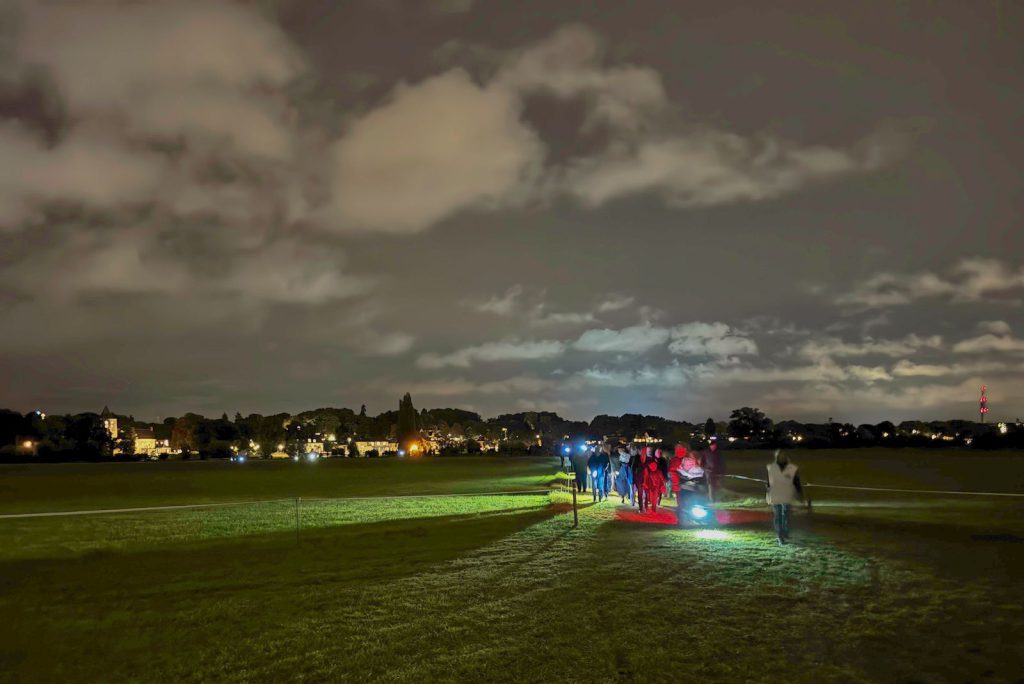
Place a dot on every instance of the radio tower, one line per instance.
(983, 404)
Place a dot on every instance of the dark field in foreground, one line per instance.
(877, 587)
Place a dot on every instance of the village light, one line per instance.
(27, 444)
(280, 447)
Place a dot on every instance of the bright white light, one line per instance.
(295, 458)
(567, 449)
(583, 447)
(699, 512)
(711, 534)
(401, 452)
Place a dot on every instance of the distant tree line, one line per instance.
(83, 437)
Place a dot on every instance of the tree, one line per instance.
(362, 411)
(709, 427)
(12, 426)
(749, 423)
(407, 431)
(126, 445)
(88, 437)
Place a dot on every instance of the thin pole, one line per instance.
(575, 512)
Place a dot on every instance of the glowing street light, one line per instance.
(27, 444)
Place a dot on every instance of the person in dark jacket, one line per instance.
(579, 467)
(600, 465)
(714, 467)
(663, 461)
(638, 465)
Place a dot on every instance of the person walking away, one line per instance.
(687, 475)
(714, 466)
(784, 488)
(600, 463)
(639, 476)
(654, 482)
(663, 461)
(624, 478)
(579, 467)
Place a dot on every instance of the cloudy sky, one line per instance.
(599, 207)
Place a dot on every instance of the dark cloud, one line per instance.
(270, 206)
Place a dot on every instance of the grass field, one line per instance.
(876, 587)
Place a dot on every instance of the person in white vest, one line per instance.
(784, 489)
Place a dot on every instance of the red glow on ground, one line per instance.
(662, 517)
(667, 516)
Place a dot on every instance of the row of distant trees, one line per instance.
(83, 436)
(750, 427)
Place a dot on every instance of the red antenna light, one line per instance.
(983, 403)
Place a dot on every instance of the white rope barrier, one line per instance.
(139, 509)
(104, 511)
(887, 489)
(428, 496)
(916, 491)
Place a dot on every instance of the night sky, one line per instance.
(586, 207)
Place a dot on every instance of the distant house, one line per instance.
(380, 446)
(647, 437)
(146, 443)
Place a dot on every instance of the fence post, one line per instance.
(575, 512)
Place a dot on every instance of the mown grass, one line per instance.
(74, 486)
(501, 589)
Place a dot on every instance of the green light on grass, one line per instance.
(711, 534)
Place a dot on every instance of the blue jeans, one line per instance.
(600, 478)
(624, 484)
(780, 516)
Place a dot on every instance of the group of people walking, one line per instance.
(647, 475)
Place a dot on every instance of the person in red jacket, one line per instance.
(654, 482)
(675, 465)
